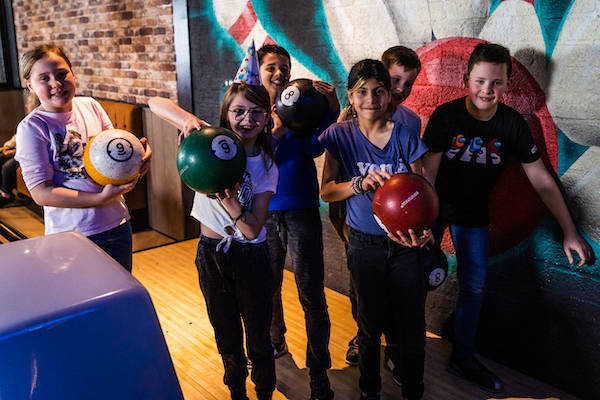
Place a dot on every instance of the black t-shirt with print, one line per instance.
(474, 155)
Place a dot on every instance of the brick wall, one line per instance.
(120, 50)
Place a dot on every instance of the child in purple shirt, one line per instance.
(50, 143)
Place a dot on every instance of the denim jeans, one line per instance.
(117, 243)
(300, 231)
(472, 249)
(237, 284)
(384, 272)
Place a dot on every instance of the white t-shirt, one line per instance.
(212, 213)
(50, 148)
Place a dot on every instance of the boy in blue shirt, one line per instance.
(294, 222)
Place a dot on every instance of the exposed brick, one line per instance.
(150, 93)
(145, 31)
(121, 50)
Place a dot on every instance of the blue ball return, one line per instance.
(75, 325)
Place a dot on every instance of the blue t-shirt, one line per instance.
(408, 117)
(357, 156)
(298, 186)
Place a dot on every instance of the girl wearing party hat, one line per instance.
(236, 278)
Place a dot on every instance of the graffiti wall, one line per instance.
(541, 315)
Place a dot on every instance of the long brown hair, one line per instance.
(259, 96)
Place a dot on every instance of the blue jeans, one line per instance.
(472, 249)
(238, 286)
(117, 243)
(300, 231)
(383, 273)
(8, 175)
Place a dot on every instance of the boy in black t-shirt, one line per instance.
(470, 139)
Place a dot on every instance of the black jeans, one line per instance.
(385, 273)
(301, 232)
(239, 283)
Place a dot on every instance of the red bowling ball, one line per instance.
(406, 201)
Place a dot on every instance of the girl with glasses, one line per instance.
(232, 258)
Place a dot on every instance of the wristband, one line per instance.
(356, 185)
(236, 219)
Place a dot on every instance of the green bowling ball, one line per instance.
(211, 160)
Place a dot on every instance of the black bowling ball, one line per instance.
(301, 107)
(435, 265)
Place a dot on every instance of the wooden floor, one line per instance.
(169, 274)
(31, 225)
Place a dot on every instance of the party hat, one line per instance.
(248, 71)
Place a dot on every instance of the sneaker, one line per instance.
(475, 372)
(280, 349)
(352, 353)
(389, 355)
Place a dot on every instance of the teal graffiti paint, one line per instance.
(552, 16)
(217, 50)
(219, 38)
(301, 27)
(544, 246)
(493, 5)
(568, 152)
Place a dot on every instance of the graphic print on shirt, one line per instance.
(475, 150)
(246, 192)
(70, 154)
(365, 168)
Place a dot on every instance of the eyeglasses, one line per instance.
(255, 114)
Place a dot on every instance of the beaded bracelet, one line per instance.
(356, 184)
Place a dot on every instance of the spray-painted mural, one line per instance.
(555, 85)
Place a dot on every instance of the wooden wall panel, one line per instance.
(165, 200)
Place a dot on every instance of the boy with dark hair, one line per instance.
(294, 223)
(469, 140)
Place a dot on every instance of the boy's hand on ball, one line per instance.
(329, 91)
